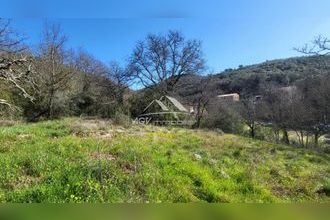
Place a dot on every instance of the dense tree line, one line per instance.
(53, 80)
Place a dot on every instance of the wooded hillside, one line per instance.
(248, 80)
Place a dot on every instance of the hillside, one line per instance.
(75, 160)
(250, 79)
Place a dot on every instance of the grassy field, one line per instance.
(75, 160)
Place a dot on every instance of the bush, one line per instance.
(82, 104)
(122, 119)
(327, 149)
(223, 118)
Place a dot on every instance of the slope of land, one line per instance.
(75, 160)
(248, 80)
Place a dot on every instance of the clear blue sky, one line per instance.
(233, 32)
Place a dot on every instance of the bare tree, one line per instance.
(316, 93)
(121, 78)
(161, 60)
(317, 90)
(90, 68)
(197, 94)
(85, 92)
(54, 73)
(274, 108)
(10, 40)
(202, 99)
(15, 67)
(248, 112)
(320, 47)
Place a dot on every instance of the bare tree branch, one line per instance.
(320, 46)
(15, 69)
(161, 60)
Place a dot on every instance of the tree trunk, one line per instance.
(302, 138)
(252, 131)
(300, 135)
(285, 138)
(198, 122)
(316, 140)
(50, 104)
(198, 116)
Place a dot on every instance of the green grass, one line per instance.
(75, 160)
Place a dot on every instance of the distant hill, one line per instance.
(249, 79)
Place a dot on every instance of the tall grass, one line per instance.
(74, 160)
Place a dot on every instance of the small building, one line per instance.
(233, 97)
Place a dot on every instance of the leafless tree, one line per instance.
(90, 68)
(316, 93)
(121, 78)
(161, 60)
(202, 99)
(10, 40)
(15, 67)
(54, 73)
(197, 94)
(248, 111)
(317, 90)
(274, 108)
(320, 47)
(85, 92)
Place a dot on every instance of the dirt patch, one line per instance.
(104, 134)
(93, 128)
(26, 181)
(103, 156)
(129, 169)
(281, 191)
(23, 181)
(120, 130)
(24, 136)
(7, 123)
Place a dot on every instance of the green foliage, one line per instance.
(249, 80)
(52, 162)
(223, 118)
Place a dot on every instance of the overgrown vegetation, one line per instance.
(75, 160)
(286, 102)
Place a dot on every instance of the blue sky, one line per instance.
(232, 32)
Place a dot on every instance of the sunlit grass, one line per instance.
(75, 160)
